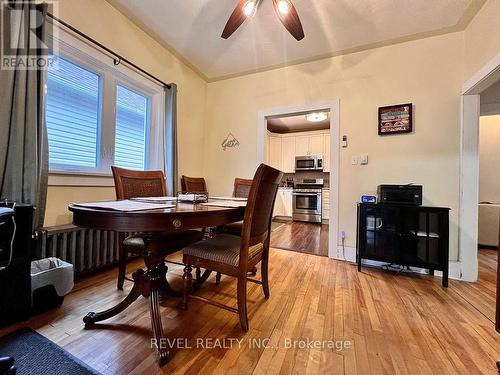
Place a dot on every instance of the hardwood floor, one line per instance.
(482, 295)
(301, 237)
(387, 324)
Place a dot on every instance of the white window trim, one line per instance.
(90, 57)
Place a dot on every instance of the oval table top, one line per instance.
(182, 216)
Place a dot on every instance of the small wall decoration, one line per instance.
(395, 119)
(230, 141)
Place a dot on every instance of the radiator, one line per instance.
(87, 249)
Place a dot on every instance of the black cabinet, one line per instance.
(15, 280)
(414, 236)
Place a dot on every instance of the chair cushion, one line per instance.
(224, 248)
(234, 228)
(165, 242)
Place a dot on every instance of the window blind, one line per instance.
(131, 124)
(72, 115)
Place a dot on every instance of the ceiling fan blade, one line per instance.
(290, 20)
(235, 20)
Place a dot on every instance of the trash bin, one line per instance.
(51, 280)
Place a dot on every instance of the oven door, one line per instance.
(307, 206)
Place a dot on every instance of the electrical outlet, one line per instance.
(354, 160)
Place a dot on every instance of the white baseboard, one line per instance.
(348, 254)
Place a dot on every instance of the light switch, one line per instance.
(354, 160)
(363, 159)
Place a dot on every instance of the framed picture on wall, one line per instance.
(395, 119)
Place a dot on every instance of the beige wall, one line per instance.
(58, 198)
(489, 156)
(482, 37)
(427, 72)
(100, 20)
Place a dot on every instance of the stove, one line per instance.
(307, 200)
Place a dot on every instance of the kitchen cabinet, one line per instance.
(302, 145)
(309, 145)
(283, 148)
(275, 157)
(288, 202)
(316, 145)
(278, 205)
(288, 154)
(283, 205)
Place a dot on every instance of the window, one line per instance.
(72, 116)
(131, 128)
(98, 114)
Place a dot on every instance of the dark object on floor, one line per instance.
(15, 280)
(45, 299)
(407, 235)
(37, 355)
(7, 366)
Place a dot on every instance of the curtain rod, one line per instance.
(118, 58)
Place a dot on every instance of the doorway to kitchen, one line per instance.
(489, 198)
(479, 214)
(476, 101)
(302, 141)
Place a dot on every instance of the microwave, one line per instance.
(309, 163)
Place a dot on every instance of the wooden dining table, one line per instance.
(152, 282)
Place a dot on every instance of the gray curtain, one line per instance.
(170, 142)
(23, 140)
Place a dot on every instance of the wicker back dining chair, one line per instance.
(242, 187)
(135, 184)
(193, 184)
(233, 255)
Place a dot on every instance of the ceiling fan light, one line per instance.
(283, 7)
(317, 116)
(249, 8)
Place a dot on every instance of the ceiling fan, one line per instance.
(284, 9)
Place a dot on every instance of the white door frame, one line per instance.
(469, 166)
(334, 107)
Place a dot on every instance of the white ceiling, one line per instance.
(294, 123)
(192, 28)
